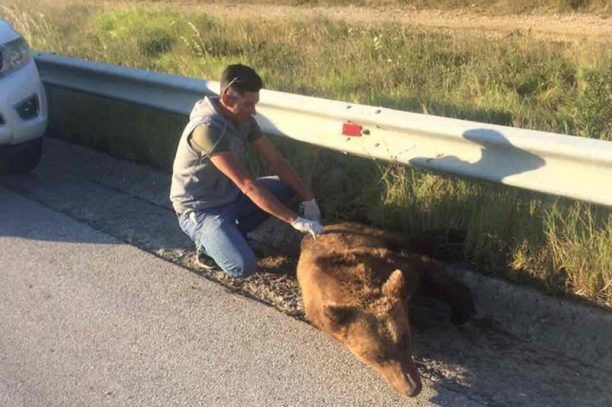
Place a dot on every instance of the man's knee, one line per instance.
(288, 195)
(284, 192)
(242, 267)
(279, 189)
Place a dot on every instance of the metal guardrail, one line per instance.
(569, 166)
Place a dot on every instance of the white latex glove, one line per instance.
(311, 210)
(308, 226)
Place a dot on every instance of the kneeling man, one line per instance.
(216, 199)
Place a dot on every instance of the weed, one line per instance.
(560, 245)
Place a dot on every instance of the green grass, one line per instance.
(559, 245)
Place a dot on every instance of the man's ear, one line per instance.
(340, 314)
(225, 98)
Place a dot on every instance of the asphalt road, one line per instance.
(92, 313)
(88, 320)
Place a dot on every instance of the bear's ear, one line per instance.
(340, 314)
(394, 286)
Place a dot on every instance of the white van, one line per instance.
(23, 104)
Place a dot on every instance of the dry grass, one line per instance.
(489, 7)
(566, 87)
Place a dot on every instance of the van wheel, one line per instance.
(26, 160)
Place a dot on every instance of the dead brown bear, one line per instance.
(355, 282)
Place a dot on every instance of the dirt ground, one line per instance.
(565, 27)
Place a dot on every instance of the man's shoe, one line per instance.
(204, 261)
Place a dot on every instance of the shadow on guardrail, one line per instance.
(499, 160)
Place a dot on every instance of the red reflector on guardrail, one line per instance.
(351, 129)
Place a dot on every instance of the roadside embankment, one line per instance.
(498, 72)
(522, 348)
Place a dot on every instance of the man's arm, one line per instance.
(228, 165)
(278, 165)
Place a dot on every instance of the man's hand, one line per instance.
(308, 226)
(311, 210)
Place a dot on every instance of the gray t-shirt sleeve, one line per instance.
(254, 130)
(208, 139)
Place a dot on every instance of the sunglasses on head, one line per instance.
(233, 81)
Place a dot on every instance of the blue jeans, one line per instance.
(221, 232)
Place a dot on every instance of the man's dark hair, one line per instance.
(240, 78)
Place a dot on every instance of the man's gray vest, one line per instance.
(196, 183)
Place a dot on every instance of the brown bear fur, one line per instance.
(355, 282)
